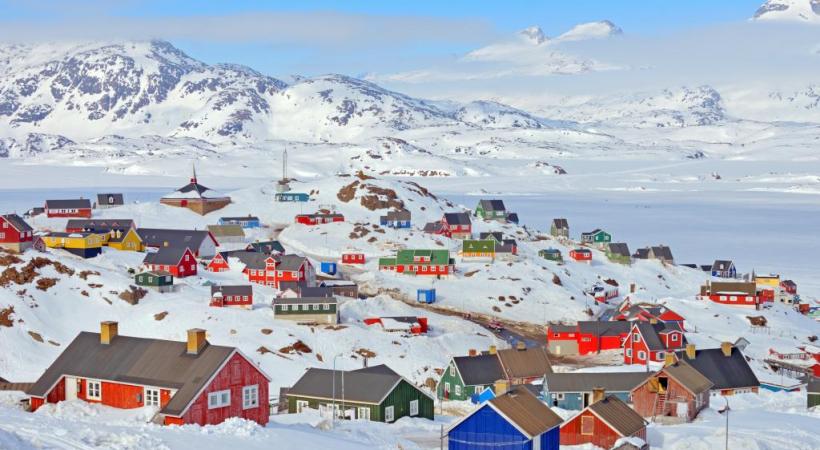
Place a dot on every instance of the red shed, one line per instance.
(15, 234)
(178, 261)
(240, 296)
(603, 422)
(581, 255)
(190, 382)
(352, 258)
(80, 207)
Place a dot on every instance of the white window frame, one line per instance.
(219, 399)
(152, 396)
(559, 396)
(326, 306)
(641, 355)
(301, 405)
(452, 370)
(389, 414)
(93, 389)
(414, 408)
(250, 396)
(674, 337)
(636, 337)
(458, 390)
(363, 413)
(316, 307)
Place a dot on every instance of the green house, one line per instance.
(551, 254)
(491, 210)
(466, 376)
(374, 393)
(478, 249)
(159, 281)
(813, 392)
(434, 262)
(596, 237)
(307, 310)
(618, 252)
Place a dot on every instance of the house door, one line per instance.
(683, 409)
(70, 388)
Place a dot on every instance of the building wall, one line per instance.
(452, 376)
(644, 401)
(400, 400)
(813, 399)
(236, 374)
(485, 428)
(602, 435)
(575, 400)
(324, 317)
(83, 213)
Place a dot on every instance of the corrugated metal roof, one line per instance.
(79, 203)
(585, 382)
(152, 362)
(232, 290)
(226, 230)
(157, 237)
(166, 256)
(725, 372)
(521, 407)
(623, 419)
(687, 376)
(457, 218)
(526, 363)
(368, 385)
(110, 199)
(17, 222)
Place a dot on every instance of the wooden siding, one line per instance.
(602, 435)
(486, 429)
(400, 399)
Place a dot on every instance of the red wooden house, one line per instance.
(219, 263)
(581, 255)
(190, 382)
(651, 341)
(15, 234)
(267, 269)
(178, 261)
(319, 218)
(232, 296)
(646, 312)
(789, 286)
(352, 258)
(677, 391)
(457, 225)
(586, 337)
(80, 207)
(603, 423)
(734, 293)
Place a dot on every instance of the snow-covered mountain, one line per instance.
(805, 11)
(591, 30)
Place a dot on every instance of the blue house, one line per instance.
(574, 391)
(396, 219)
(516, 420)
(724, 269)
(248, 221)
(291, 197)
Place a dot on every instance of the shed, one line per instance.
(328, 267)
(426, 295)
(603, 423)
(159, 281)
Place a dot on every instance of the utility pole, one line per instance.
(725, 411)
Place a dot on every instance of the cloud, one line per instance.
(320, 30)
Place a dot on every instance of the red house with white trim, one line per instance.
(402, 324)
(733, 293)
(586, 337)
(15, 234)
(80, 207)
(352, 258)
(319, 218)
(190, 382)
(603, 423)
(237, 296)
(651, 341)
(645, 312)
(178, 261)
(581, 255)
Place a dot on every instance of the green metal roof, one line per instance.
(476, 245)
(437, 257)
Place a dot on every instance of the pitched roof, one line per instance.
(241, 289)
(725, 372)
(479, 370)
(226, 230)
(110, 199)
(437, 256)
(368, 385)
(433, 227)
(475, 245)
(497, 235)
(651, 333)
(600, 328)
(165, 256)
(744, 287)
(402, 214)
(525, 411)
(157, 237)
(151, 362)
(618, 415)
(561, 224)
(526, 363)
(662, 252)
(619, 248)
(289, 263)
(239, 218)
(266, 247)
(80, 203)
(457, 218)
(492, 205)
(688, 377)
(100, 225)
(17, 222)
(641, 253)
(722, 264)
(585, 382)
(251, 260)
(592, 233)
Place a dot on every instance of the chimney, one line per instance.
(726, 348)
(108, 331)
(492, 350)
(690, 351)
(501, 387)
(653, 320)
(472, 352)
(520, 346)
(165, 244)
(669, 359)
(598, 394)
(196, 341)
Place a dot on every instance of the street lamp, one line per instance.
(333, 407)
(726, 410)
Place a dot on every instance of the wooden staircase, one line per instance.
(659, 408)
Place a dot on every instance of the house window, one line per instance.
(659, 355)
(2, 235)
(316, 307)
(151, 397)
(301, 405)
(279, 274)
(636, 337)
(641, 355)
(93, 390)
(388, 414)
(363, 413)
(244, 298)
(250, 397)
(629, 353)
(587, 425)
(414, 408)
(560, 396)
(674, 337)
(219, 399)
(284, 307)
(326, 307)
(458, 389)
(452, 370)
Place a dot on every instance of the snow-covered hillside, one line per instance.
(803, 11)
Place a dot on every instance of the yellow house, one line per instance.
(767, 280)
(125, 240)
(85, 245)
